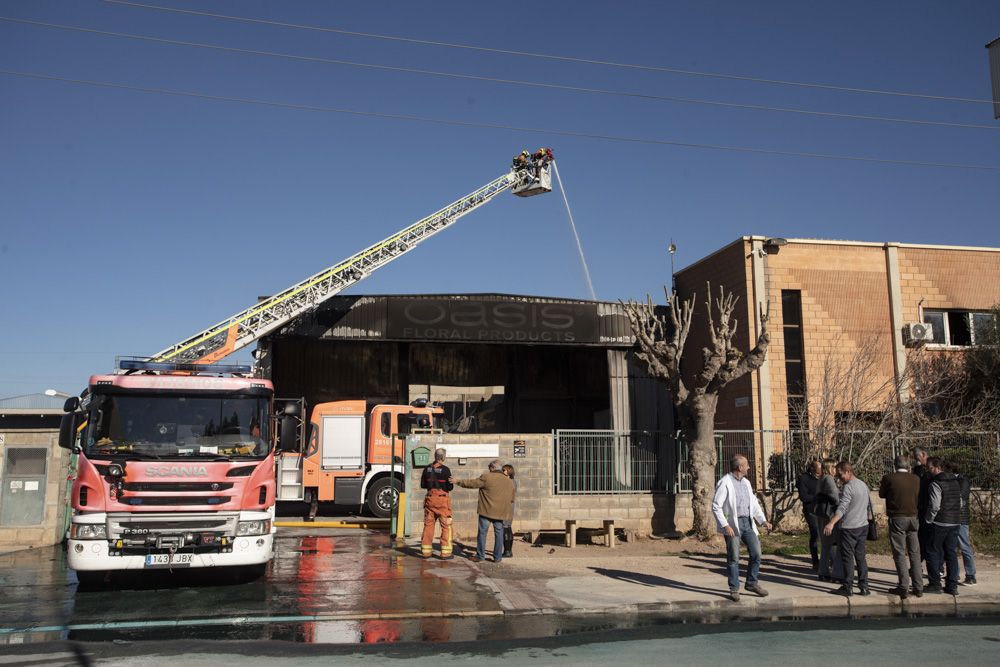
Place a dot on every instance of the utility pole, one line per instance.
(672, 248)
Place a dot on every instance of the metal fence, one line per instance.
(603, 462)
(973, 453)
(611, 462)
(729, 443)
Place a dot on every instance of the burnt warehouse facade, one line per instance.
(495, 363)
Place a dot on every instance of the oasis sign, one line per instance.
(492, 321)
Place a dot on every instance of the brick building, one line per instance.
(828, 299)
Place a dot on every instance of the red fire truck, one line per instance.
(175, 470)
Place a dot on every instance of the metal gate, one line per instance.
(22, 499)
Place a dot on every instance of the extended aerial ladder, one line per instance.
(247, 326)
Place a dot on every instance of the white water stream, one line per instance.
(572, 224)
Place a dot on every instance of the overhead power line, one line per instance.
(514, 82)
(498, 126)
(547, 56)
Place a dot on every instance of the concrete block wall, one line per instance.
(537, 507)
(49, 531)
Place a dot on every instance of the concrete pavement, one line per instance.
(602, 581)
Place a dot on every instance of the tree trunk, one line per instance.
(702, 460)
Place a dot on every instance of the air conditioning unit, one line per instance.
(915, 333)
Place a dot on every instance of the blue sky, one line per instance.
(131, 220)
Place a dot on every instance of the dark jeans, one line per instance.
(923, 534)
(829, 554)
(906, 550)
(814, 530)
(748, 537)
(484, 527)
(943, 548)
(852, 550)
(965, 546)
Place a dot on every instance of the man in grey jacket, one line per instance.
(852, 514)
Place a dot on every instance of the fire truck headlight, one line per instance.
(89, 531)
(258, 527)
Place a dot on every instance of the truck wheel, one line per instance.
(382, 497)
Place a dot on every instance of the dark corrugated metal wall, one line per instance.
(546, 387)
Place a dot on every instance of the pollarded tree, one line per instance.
(661, 341)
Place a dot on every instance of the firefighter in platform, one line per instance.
(437, 505)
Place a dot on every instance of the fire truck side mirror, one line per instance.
(67, 429)
(289, 441)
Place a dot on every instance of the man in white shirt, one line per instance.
(736, 509)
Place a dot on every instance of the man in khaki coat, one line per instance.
(496, 504)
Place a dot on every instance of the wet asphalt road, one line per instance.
(344, 593)
(881, 641)
(343, 586)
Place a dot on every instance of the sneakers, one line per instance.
(755, 588)
(969, 581)
(845, 591)
(918, 592)
(951, 591)
(508, 554)
(477, 559)
(932, 588)
(864, 590)
(734, 595)
(900, 591)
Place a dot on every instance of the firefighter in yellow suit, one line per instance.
(437, 505)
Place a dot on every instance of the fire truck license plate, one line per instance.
(164, 560)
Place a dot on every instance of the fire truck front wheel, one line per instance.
(382, 497)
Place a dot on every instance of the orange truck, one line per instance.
(348, 453)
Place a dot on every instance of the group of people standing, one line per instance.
(497, 491)
(928, 510)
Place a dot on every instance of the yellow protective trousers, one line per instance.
(437, 508)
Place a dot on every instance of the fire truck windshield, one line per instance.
(164, 426)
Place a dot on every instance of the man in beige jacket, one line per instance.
(496, 504)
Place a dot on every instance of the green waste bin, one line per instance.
(421, 457)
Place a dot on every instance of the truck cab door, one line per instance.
(383, 426)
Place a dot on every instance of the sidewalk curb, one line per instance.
(810, 606)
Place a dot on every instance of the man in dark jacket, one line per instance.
(944, 515)
(437, 505)
(808, 486)
(901, 490)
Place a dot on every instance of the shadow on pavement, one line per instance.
(654, 580)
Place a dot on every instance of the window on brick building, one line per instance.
(795, 365)
(959, 327)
